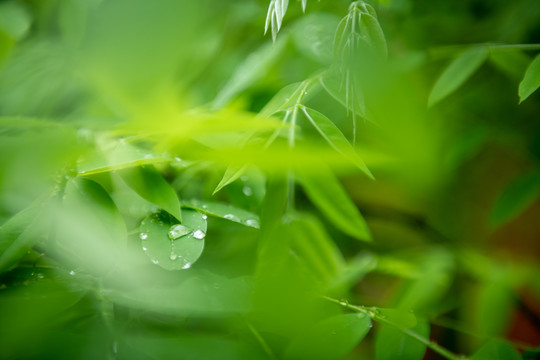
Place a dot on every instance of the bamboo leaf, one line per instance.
(335, 138)
(151, 186)
(531, 80)
(457, 73)
(232, 173)
(225, 211)
(332, 338)
(325, 191)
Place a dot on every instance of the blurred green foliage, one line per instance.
(174, 184)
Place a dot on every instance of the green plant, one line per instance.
(324, 187)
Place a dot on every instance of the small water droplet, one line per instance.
(199, 234)
(155, 261)
(72, 273)
(247, 191)
(143, 236)
(204, 206)
(173, 256)
(186, 266)
(252, 223)
(177, 231)
(176, 158)
(40, 276)
(144, 249)
(231, 217)
(205, 216)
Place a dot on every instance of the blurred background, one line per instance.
(453, 211)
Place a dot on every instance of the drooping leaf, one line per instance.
(457, 73)
(391, 343)
(232, 173)
(496, 350)
(225, 211)
(520, 194)
(171, 245)
(531, 80)
(274, 18)
(325, 191)
(332, 338)
(333, 136)
(151, 186)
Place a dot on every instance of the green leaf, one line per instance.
(313, 36)
(232, 173)
(151, 186)
(116, 155)
(403, 318)
(496, 350)
(19, 233)
(194, 293)
(90, 231)
(326, 192)
(283, 100)
(391, 343)
(334, 137)
(531, 80)
(331, 338)
(252, 69)
(225, 211)
(171, 245)
(457, 73)
(519, 195)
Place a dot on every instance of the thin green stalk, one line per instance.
(261, 341)
(374, 314)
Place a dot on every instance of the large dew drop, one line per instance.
(177, 231)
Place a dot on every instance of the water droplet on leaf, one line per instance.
(177, 231)
(143, 236)
(72, 273)
(247, 191)
(199, 234)
(252, 223)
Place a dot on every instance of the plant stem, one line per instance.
(261, 341)
(373, 313)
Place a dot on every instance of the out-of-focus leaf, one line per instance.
(531, 80)
(232, 173)
(151, 186)
(89, 230)
(171, 245)
(225, 211)
(495, 297)
(325, 191)
(117, 155)
(251, 70)
(457, 73)
(193, 347)
(332, 338)
(312, 244)
(331, 134)
(391, 343)
(198, 294)
(14, 19)
(520, 194)
(313, 35)
(496, 350)
(19, 233)
(404, 318)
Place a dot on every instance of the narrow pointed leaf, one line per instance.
(531, 80)
(171, 245)
(333, 136)
(232, 173)
(332, 338)
(326, 192)
(151, 186)
(457, 73)
(225, 211)
(519, 195)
